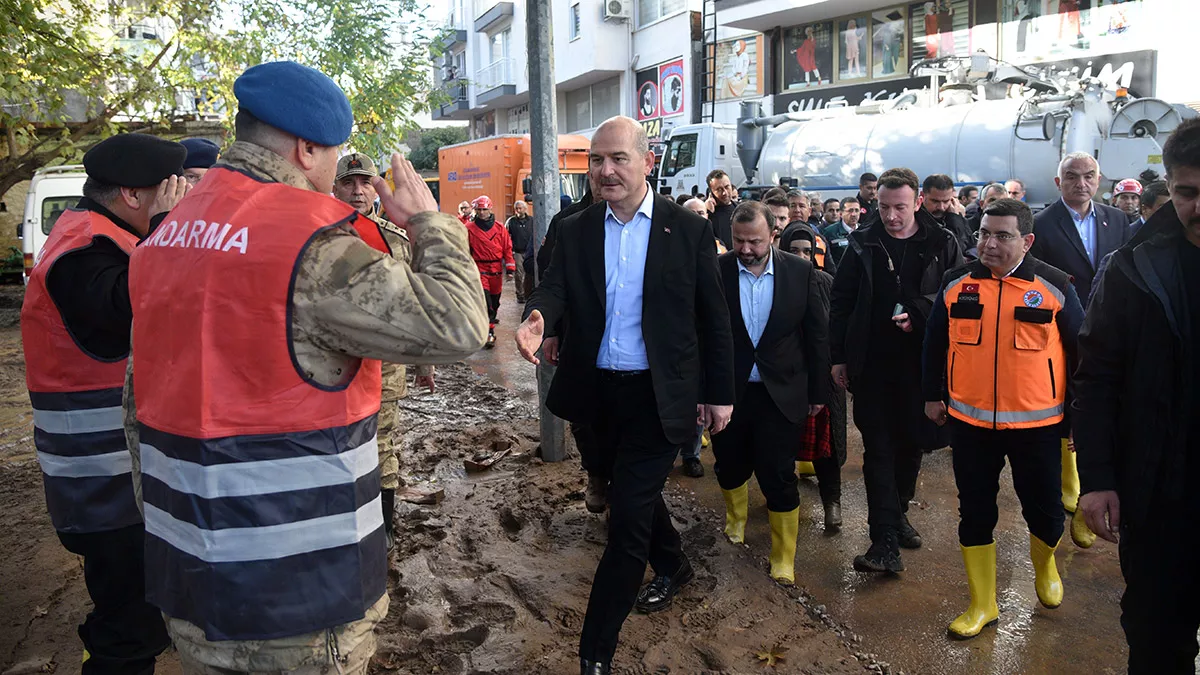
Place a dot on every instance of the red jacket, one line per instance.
(492, 251)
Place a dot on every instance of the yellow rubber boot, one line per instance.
(86, 655)
(736, 506)
(805, 469)
(784, 528)
(1081, 534)
(980, 562)
(1046, 581)
(705, 440)
(1070, 477)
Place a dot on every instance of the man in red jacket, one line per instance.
(491, 248)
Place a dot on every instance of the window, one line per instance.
(587, 107)
(52, 208)
(498, 46)
(575, 21)
(650, 11)
(680, 154)
(606, 100)
(579, 109)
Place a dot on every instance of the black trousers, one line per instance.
(891, 453)
(595, 462)
(759, 441)
(1160, 610)
(123, 633)
(493, 306)
(1036, 472)
(639, 529)
(829, 469)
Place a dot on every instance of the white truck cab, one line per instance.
(52, 191)
(692, 152)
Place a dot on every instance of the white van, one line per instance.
(692, 152)
(53, 191)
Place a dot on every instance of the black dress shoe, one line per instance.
(594, 667)
(658, 594)
(692, 467)
(908, 535)
(883, 556)
(833, 516)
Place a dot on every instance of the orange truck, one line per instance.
(499, 166)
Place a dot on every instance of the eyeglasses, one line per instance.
(1002, 237)
(192, 179)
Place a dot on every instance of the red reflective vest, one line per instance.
(261, 486)
(76, 397)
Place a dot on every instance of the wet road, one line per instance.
(903, 620)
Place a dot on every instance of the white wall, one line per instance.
(602, 45)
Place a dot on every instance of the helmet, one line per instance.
(1128, 186)
(485, 202)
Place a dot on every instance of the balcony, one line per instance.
(455, 30)
(459, 105)
(493, 16)
(495, 81)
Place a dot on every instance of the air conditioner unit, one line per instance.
(618, 9)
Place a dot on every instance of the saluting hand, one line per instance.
(410, 197)
(169, 193)
(529, 336)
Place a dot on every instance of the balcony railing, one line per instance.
(495, 74)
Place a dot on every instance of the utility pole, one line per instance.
(543, 141)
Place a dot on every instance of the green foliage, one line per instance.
(71, 76)
(425, 157)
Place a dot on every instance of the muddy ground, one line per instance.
(494, 579)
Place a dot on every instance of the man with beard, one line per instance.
(491, 248)
(520, 231)
(1154, 197)
(938, 200)
(868, 188)
(723, 196)
(881, 299)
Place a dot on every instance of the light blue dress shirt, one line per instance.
(1086, 225)
(757, 295)
(625, 245)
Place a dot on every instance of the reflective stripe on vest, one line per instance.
(76, 398)
(1005, 366)
(261, 487)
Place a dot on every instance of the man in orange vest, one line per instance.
(998, 347)
(75, 326)
(262, 308)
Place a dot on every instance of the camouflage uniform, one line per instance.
(349, 302)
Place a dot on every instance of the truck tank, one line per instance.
(974, 143)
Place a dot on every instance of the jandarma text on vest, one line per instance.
(199, 234)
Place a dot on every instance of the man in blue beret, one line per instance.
(201, 155)
(264, 306)
(75, 325)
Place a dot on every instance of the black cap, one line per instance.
(134, 160)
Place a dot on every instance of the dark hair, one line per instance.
(966, 190)
(683, 199)
(1149, 176)
(1183, 146)
(748, 212)
(1012, 207)
(868, 178)
(850, 200)
(831, 199)
(1153, 191)
(101, 193)
(937, 181)
(776, 200)
(775, 192)
(899, 177)
(715, 174)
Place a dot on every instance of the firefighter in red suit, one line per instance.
(492, 250)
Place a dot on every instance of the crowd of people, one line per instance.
(208, 338)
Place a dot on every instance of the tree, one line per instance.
(77, 71)
(425, 157)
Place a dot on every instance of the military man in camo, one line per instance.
(348, 302)
(352, 184)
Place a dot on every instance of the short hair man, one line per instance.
(201, 155)
(1015, 187)
(816, 210)
(723, 195)
(632, 362)
(778, 208)
(1127, 196)
(799, 208)
(520, 231)
(1135, 403)
(352, 184)
(876, 324)
(990, 193)
(968, 195)
(832, 209)
(258, 332)
(780, 380)
(997, 355)
(775, 192)
(1154, 196)
(75, 326)
(868, 189)
(937, 198)
(837, 233)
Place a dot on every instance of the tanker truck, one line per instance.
(974, 140)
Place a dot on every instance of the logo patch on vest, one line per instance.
(968, 297)
(1033, 299)
(970, 288)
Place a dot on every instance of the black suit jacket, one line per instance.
(793, 352)
(1057, 242)
(685, 323)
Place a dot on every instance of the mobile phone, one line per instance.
(897, 310)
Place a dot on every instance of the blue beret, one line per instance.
(297, 99)
(201, 153)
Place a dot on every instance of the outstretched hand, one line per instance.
(529, 336)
